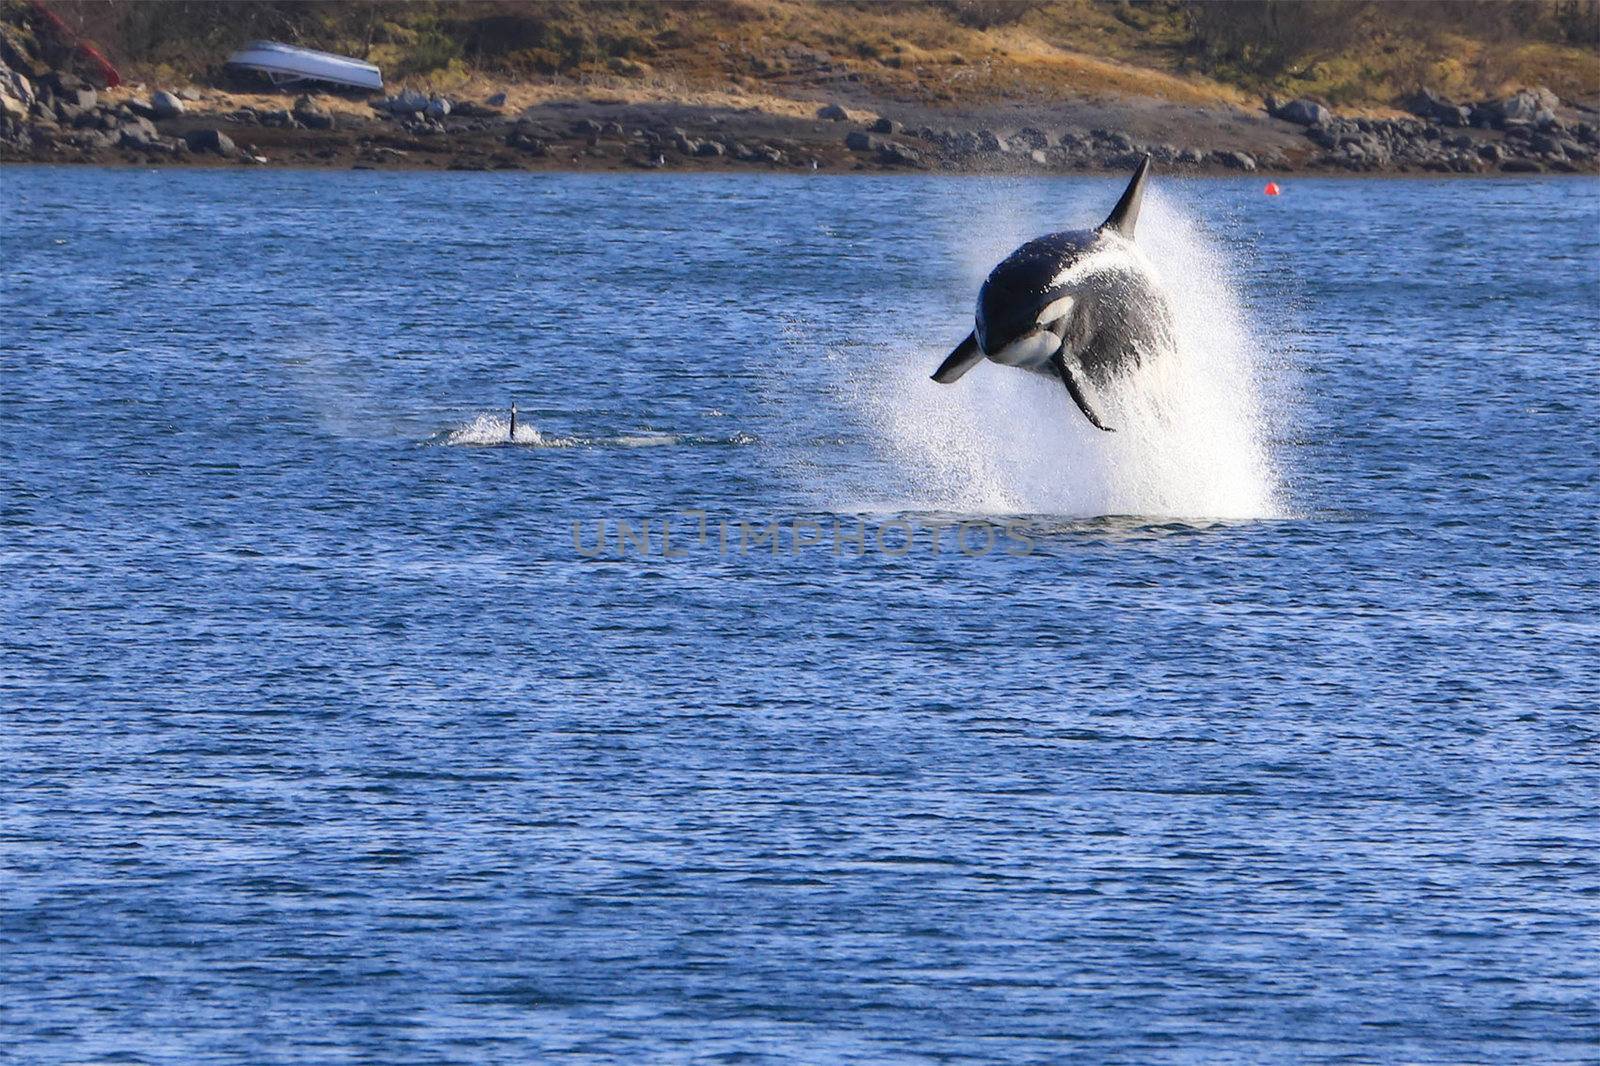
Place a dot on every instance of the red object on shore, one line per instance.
(88, 51)
(1272, 189)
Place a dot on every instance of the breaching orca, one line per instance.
(1072, 305)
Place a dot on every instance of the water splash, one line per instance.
(1193, 427)
(487, 429)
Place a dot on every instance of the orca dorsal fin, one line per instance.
(1125, 215)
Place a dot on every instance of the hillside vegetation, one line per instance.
(1351, 53)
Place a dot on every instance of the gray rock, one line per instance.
(1323, 136)
(407, 102)
(1430, 105)
(1304, 112)
(191, 95)
(166, 105)
(886, 125)
(1526, 106)
(16, 87)
(210, 140)
(141, 128)
(1236, 160)
(989, 141)
(1028, 138)
(94, 140)
(437, 108)
(832, 112)
(897, 154)
(312, 115)
(1522, 166)
(497, 100)
(83, 99)
(1039, 157)
(137, 137)
(611, 129)
(586, 127)
(1190, 157)
(857, 141)
(1542, 142)
(711, 149)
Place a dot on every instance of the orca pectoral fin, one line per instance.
(966, 356)
(1060, 363)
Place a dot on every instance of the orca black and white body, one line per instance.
(1073, 305)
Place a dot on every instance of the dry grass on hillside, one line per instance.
(1352, 52)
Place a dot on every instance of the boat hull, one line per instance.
(285, 63)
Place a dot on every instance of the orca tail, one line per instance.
(966, 356)
(1125, 215)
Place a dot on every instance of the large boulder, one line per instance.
(166, 105)
(1029, 138)
(859, 141)
(1430, 105)
(62, 82)
(406, 102)
(524, 140)
(894, 153)
(832, 112)
(1526, 107)
(210, 140)
(84, 99)
(1303, 112)
(16, 86)
(312, 115)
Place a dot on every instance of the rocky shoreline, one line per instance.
(54, 116)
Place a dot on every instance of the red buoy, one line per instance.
(1272, 188)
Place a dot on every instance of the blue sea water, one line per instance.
(1264, 730)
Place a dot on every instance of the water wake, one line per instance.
(1193, 426)
(490, 430)
(486, 430)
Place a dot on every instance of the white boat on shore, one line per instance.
(285, 64)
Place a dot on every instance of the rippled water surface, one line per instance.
(1263, 730)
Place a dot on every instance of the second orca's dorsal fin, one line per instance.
(1125, 215)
